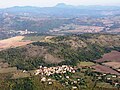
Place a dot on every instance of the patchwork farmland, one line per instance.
(110, 63)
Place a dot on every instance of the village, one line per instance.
(72, 77)
(52, 70)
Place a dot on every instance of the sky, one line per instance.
(49, 3)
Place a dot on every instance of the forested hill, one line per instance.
(61, 50)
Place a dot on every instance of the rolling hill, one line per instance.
(61, 50)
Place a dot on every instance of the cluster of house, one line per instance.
(44, 79)
(47, 71)
(113, 80)
(109, 78)
(52, 70)
(24, 32)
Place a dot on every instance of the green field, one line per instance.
(34, 38)
(86, 64)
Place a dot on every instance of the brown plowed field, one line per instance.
(112, 56)
(105, 69)
(114, 65)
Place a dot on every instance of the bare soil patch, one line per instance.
(105, 69)
(114, 65)
(112, 56)
(13, 42)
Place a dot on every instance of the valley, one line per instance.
(62, 47)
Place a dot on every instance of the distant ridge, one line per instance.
(63, 5)
(64, 10)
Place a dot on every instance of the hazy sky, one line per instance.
(45, 3)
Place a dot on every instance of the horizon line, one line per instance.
(57, 4)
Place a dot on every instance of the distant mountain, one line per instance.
(99, 7)
(43, 19)
(63, 5)
(63, 10)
